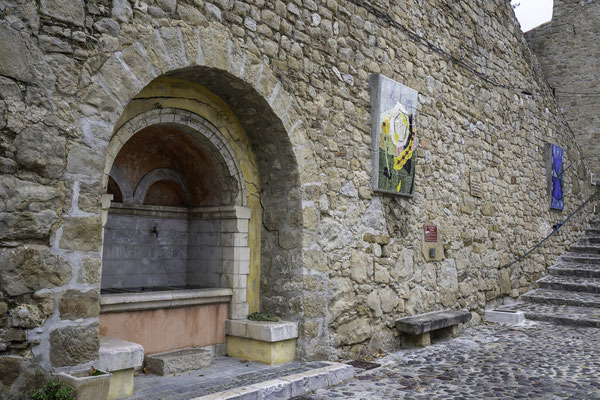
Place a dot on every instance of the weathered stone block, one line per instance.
(10, 369)
(19, 195)
(355, 331)
(264, 352)
(16, 58)
(428, 322)
(262, 330)
(41, 150)
(361, 265)
(28, 269)
(82, 233)
(121, 11)
(74, 345)
(174, 362)
(90, 198)
(117, 354)
(83, 160)
(341, 297)
(74, 304)
(90, 271)
(27, 225)
(26, 316)
(45, 302)
(65, 10)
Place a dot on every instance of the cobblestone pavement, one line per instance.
(530, 361)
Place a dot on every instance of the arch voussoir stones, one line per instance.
(187, 120)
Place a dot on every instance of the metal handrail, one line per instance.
(555, 229)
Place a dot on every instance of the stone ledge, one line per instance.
(117, 354)
(424, 323)
(288, 386)
(262, 330)
(167, 299)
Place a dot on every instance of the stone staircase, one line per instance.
(570, 294)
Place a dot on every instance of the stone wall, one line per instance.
(205, 254)
(334, 256)
(569, 52)
(133, 256)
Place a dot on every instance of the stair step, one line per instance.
(174, 362)
(559, 314)
(562, 297)
(588, 249)
(592, 231)
(580, 259)
(589, 239)
(574, 269)
(569, 283)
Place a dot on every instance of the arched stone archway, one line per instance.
(186, 121)
(266, 111)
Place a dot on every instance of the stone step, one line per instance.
(573, 269)
(289, 386)
(569, 283)
(562, 297)
(231, 378)
(589, 239)
(587, 249)
(580, 259)
(592, 231)
(174, 362)
(559, 314)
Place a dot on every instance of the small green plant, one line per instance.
(258, 316)
(54, 390)
(94, 372)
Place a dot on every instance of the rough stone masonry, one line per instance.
(568, 53)
(336, 257)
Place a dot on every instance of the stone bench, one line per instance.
(121, 359)
(417, 329)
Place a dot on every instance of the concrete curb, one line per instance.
(505, 316)
(288, 386)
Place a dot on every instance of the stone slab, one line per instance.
(288, 386)
(116, 354)
(428, 322)
(262, 330)
(504, 317)
(265, 352)
(177, 361)
(229, 377)
(166, 299)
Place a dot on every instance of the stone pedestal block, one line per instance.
(120, 358)
(265, 342)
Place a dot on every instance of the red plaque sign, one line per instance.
(431, 233)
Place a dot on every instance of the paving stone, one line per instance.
(534, 360)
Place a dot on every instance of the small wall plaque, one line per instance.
(432, 243)
(431, 233)
(476, 186)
